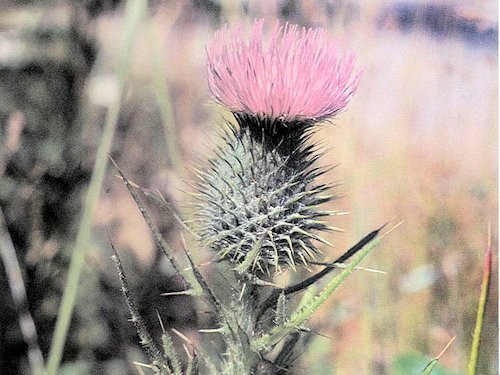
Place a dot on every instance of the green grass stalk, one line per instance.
(134, 13)
(471, 370)
(164, 103)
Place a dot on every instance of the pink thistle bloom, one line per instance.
(298, 75)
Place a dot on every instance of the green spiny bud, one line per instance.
(258, 196)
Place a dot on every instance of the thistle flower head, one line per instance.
(298, 74)
(259, 198)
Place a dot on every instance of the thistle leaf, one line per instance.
(146, 339)
(170, 353)
(196, 289)
(301, 316)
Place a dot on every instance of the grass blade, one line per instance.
(432, 364)
(471, 370)
(134, 12)
(430, 367)
(161, 91)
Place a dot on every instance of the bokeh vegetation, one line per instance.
(419, 144)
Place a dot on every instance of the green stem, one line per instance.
(480, 313)
(134, 12)
(165, 105)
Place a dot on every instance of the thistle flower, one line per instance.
(298, 75)
(259, 202)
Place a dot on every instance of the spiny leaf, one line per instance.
(265, 342)
(160, 242)
(192, 366)
(170, 353)
(146, 339)
(162, 203)
(272, 299)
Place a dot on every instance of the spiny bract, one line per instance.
(258, 197)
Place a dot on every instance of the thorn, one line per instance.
(306, 249)
(188, 353)
(211, 330)
(322, 240)
(113, 162)
(256, 281)
(144, 364)
(340, 213)
(335, 229)
(159, 319)
(360, 268)
(446, 347)
(179, 293)
(390, 230)
(182, 336)
(241, 292)
(303, 259)
(290, 252)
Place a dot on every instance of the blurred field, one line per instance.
(418, 144)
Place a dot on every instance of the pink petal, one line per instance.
(299, 74)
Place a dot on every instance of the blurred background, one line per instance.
(418, 144)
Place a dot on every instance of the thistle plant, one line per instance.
(259, 204)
